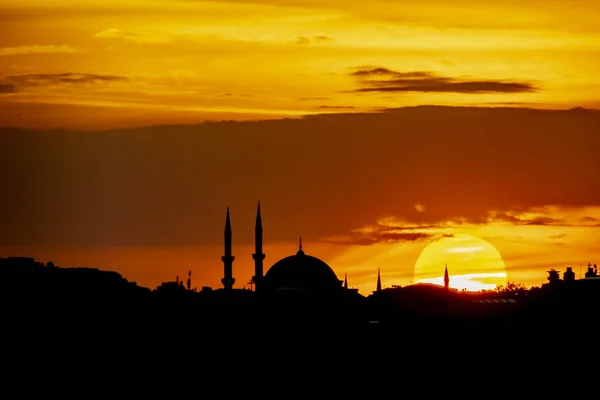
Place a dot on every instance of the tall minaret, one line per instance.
(378, 281)
(258, 255)
(446, 278)
(346, 281)
(228, 280)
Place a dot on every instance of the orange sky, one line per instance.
(364, 190)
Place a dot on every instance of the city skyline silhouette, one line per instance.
(149, 200)
(266, 163)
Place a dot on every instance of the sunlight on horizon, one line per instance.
(473, 263)
(469, 282)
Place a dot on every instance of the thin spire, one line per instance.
(228, 258)
(300, 251)
(345, 281)
(258, 255)
(227, 220)
(378, 280)
(446, 277)
(258, 216)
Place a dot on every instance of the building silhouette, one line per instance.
(569, 275)
(297, 272)
(228, 258)
(299, 287)
(258, 255)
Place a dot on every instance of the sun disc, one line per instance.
(473, 263)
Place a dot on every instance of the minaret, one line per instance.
(228, 280)
(446, 278)
(300, 251)
(258, 255)
(378, 280)
(345, 281)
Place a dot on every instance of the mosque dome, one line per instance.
(301, 272)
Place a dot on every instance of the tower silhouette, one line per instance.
(228, 258)
(378, 280)
(446, 278)
(300, 251)
(346, 281)
(258, 255)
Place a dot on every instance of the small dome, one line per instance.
(301, 272)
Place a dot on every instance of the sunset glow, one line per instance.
(473, 264)
(397, 136)
(187, 61)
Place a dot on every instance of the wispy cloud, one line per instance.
(379, 237)
(7, 88)
(379, 79)
(140, 37)
(547, 216)
(391, 230)
(223, 95)
(312, 98)
(325, 107)
(37, 49)
(313, 39)
(559, 236)
(17, 83)
(395, 230)
(322, 39)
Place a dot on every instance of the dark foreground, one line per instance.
(91, 351)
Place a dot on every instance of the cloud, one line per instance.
(420, 208)
(525, 220)
(322, 39)
(17, 83)
(392, 230)
(314, 39)
(551, 215)
(7, 88)
(379, 237)
(325, 107)
(559, 236)
(139, 37)
(505, 103)
(37, 49)
(587, 219)
(320, 176)
(223, 95)
(379, 79)
(301, 40)
(312, 98)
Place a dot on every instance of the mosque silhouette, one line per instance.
(297, 272)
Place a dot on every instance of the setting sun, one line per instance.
(473, 263)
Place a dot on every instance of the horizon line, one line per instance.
(310, 114)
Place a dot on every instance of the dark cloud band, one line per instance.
(385, 80)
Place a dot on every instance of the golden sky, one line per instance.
(138, 62)
(366, 191)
